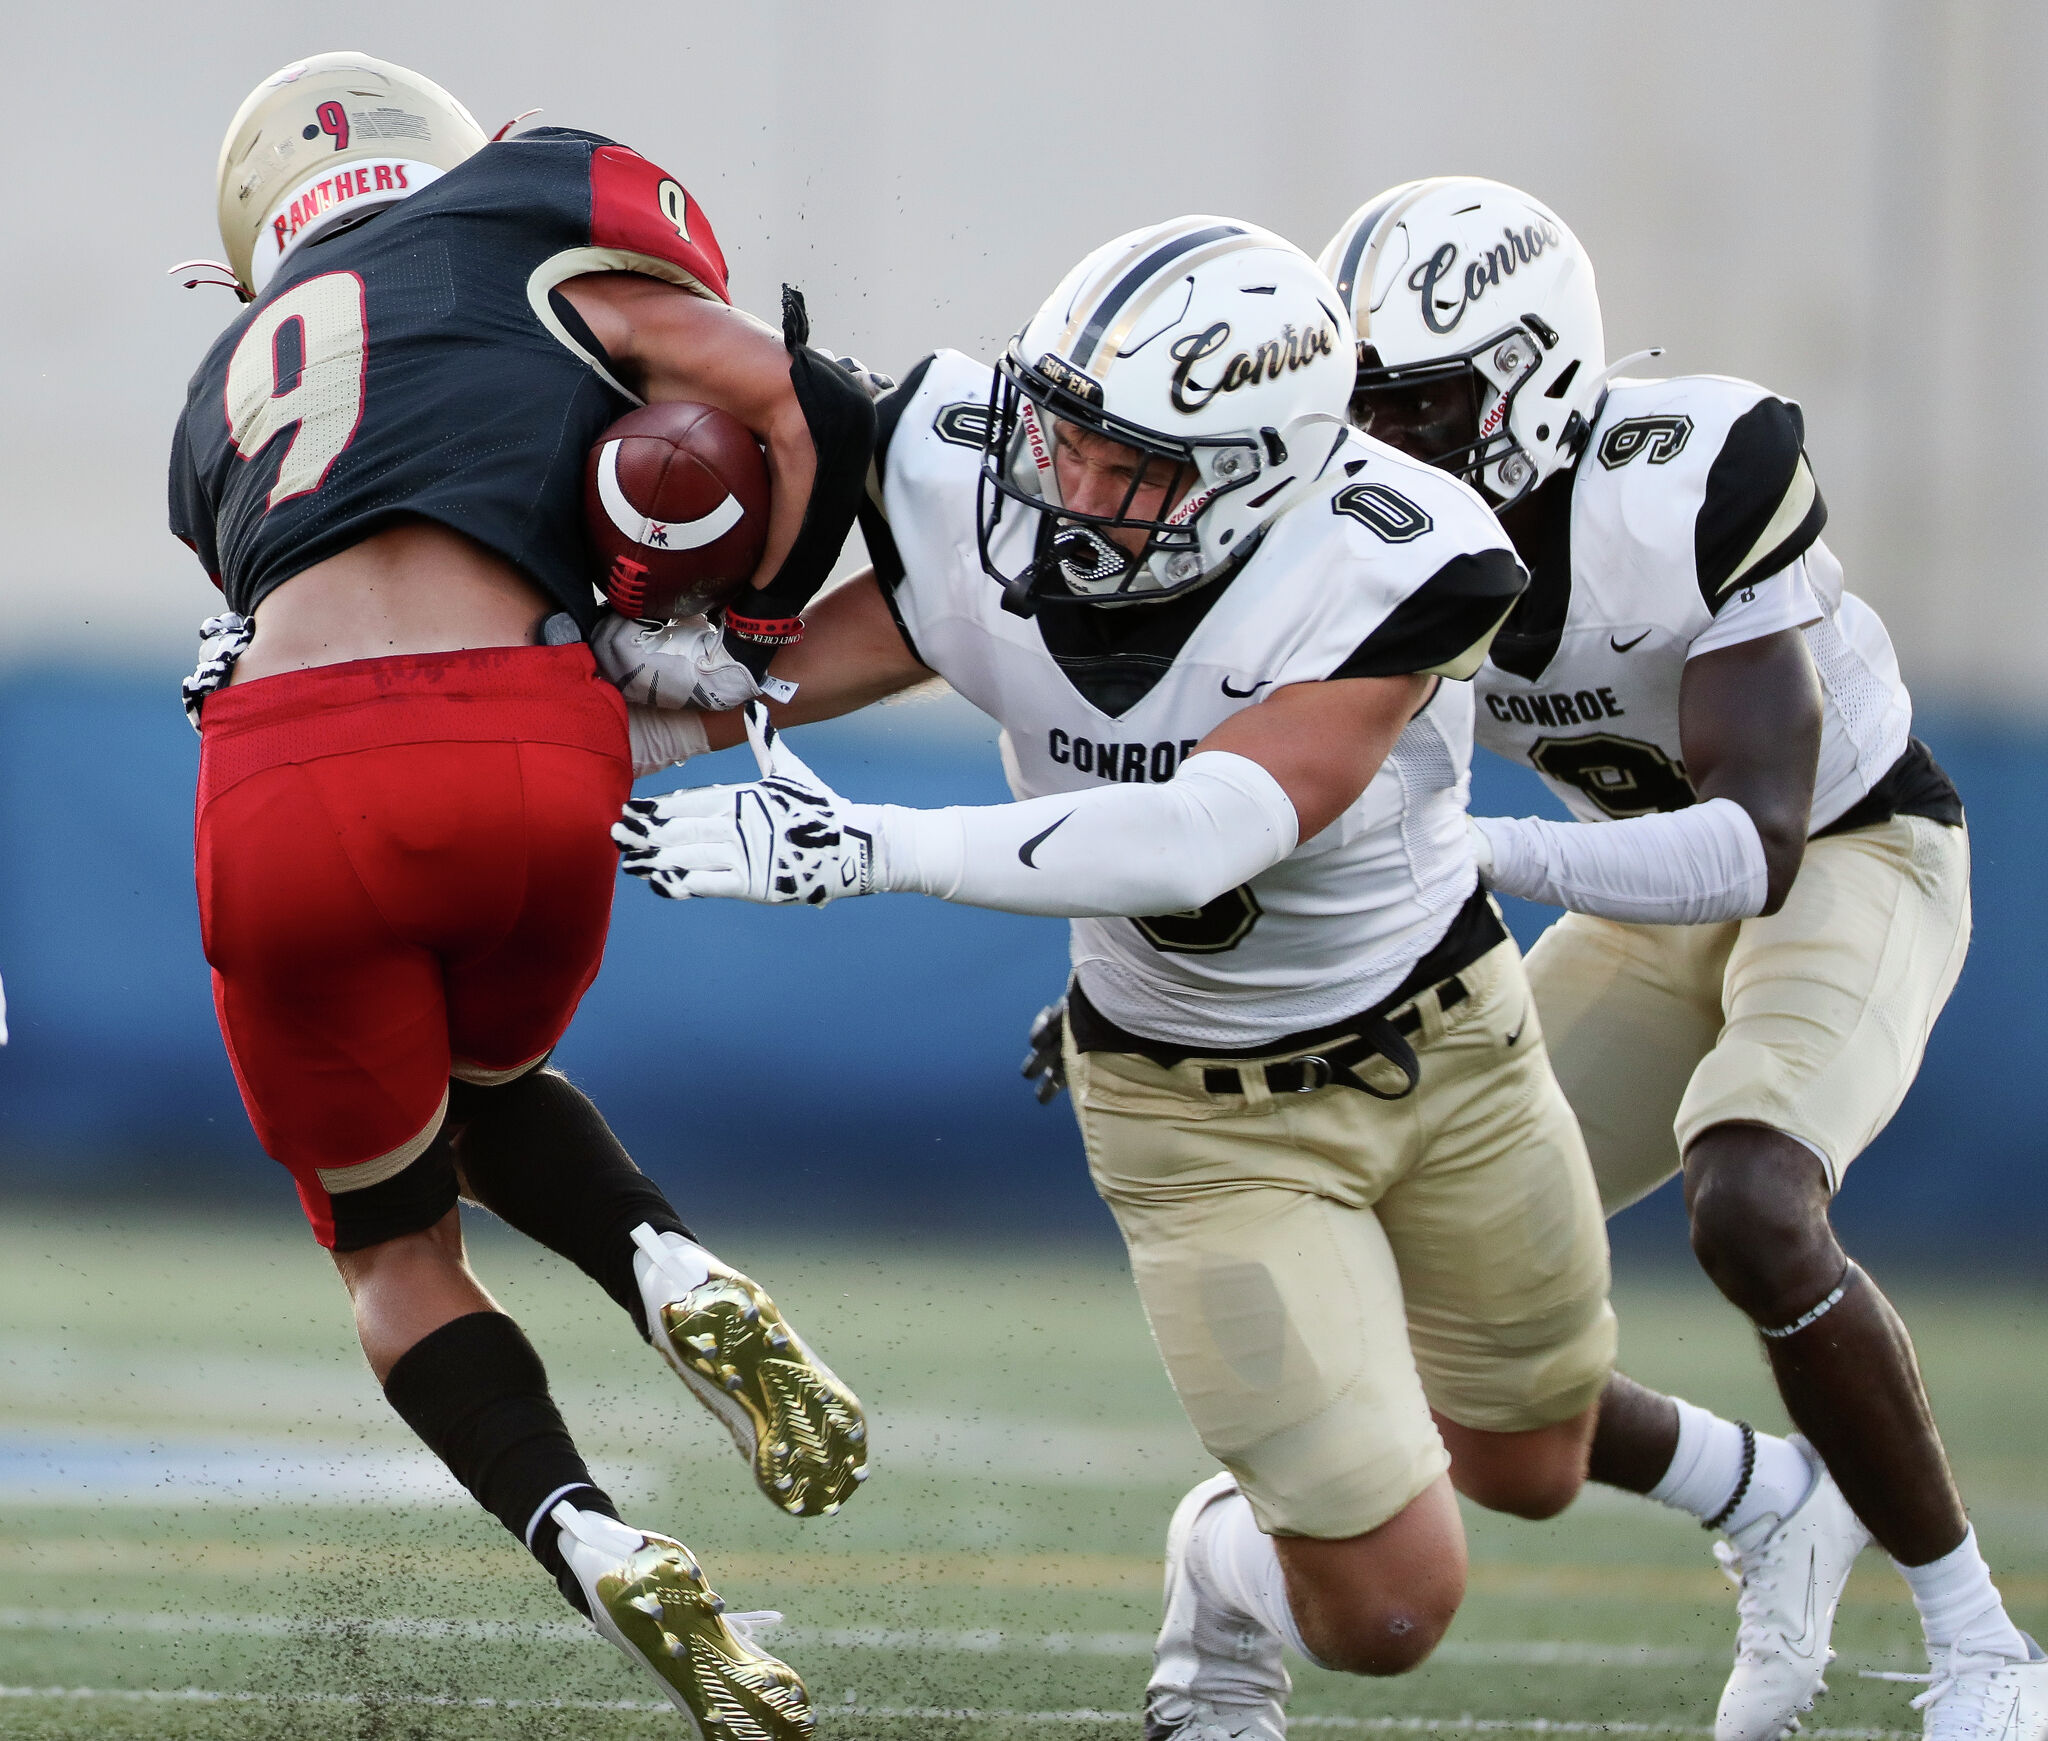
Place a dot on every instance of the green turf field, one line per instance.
(211, 1526)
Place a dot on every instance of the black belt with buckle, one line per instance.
(1324, 1055)
(1378, 1036)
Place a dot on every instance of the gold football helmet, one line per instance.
(325, 139)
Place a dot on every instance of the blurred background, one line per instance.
(1838, 199)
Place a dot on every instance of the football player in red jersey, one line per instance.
(405, 786)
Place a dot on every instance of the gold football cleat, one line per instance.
(794, 1420)
(648, 1595)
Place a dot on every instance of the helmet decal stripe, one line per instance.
(1092, 289)
(1135, 280)
(1347, 271)
(1111, 346)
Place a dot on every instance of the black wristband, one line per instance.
(1742, 1486)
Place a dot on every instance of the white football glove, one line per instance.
(786, 837)
(222, 640)
(678, 664)
(663, 737)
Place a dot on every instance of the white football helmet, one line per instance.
(325, 141)
(1480, 347)
(1211, 344)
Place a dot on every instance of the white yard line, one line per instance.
(1525, 1653)
(1358, 1725)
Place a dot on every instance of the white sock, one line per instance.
(1708, 1463)
(1240, 1568)
(1959, 1604)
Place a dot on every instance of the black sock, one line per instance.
(538, 1155)
(477, 1393)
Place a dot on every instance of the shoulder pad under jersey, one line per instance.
(1711, 471)
(1411, 554)
(928, 447)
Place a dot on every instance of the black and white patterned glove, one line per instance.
(786, 837)
(1045, 1065)
(222, 640)
(678, 664)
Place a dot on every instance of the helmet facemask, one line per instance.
(1456, 413)
(1078, 555)
(1481, 346)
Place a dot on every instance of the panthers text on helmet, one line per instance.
(333, 190)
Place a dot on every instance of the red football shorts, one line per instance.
(405, 874)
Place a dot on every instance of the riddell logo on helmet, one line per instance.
(1485, 273)
(334, 190)
(1265, 362)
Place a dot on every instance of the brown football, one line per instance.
(676, 496)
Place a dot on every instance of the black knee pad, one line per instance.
(408, 1202)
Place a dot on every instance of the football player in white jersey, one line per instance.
(1228, 638)
(1761, 932)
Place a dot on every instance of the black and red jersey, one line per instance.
(421, 364)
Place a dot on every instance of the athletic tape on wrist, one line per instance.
(1806, 1320)
(548, 1504)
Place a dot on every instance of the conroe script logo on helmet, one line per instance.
(1484, 273)
(1246, 368)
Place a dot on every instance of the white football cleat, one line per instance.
(647, 1594)
(794, 1421)
(1217, 1675)
(1982, 1697)
(1790, 1573)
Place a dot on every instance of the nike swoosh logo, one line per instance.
(1025, 851)
(1623, 646)
(1805, 1642)
(1244, 694)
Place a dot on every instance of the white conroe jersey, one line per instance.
(1387, 567)
(1694, 524)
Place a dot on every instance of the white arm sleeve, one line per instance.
(1688, 867)
(663, 736)
(1113, 852)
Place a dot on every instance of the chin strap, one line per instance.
(1607, 374)
(226, 281)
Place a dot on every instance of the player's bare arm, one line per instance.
(667, 344)
(1266, 779)
(1322, 742)
(1750, 719)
